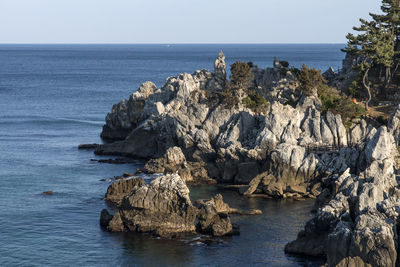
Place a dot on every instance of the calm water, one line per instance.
(54, 97)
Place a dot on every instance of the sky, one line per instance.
(180, 21)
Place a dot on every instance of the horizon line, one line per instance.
(188, 43)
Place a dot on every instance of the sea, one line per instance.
(55, 97)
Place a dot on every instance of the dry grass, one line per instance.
(381, 111)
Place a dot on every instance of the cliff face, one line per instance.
(288, 151)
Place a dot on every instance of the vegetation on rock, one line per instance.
(255, 102)
(376, 49)
(310, 79)
(241, 76)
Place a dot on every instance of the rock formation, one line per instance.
(358, 225)
(164, 208)
(292, 151)
(230, 144)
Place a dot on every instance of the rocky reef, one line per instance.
(292, 150)
(163, 208)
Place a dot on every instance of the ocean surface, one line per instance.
(54, 97)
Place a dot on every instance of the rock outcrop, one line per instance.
(358, 225)
(175, 161)
(162, 207)
(117, 191)
(294, 150)
(232, 144)
(213, 217)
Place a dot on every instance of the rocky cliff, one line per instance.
(291, 150)
(232, 144)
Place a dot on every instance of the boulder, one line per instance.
(162, 207)
(213, 217)
(274, 189)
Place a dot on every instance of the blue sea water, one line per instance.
(54, 97)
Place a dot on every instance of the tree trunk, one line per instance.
(366, 85)
(394, 73)
(387, 81)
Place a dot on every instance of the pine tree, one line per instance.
(241, 77)
(390, 20)
(373, 47)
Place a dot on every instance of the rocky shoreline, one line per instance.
(292, 150)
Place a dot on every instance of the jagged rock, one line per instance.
(162, 207)
(381, 146)
(174, 161)
(253, 185)
(118, 190)
(353, 228)
(213, 217)
(394, 125)
(219, 67)
(125, 115)
(234, 145)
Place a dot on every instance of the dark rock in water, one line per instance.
(221, 207)
(117, 191)
(114, 161)
(213, 217)
(48, 193)
(105, 218)
(88, 146)
(253, 212)
(162, 207)
(212, 222)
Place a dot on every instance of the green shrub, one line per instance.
(241, 76)
(255, 102)
(340, 104)
(348, 110)
(309, 79)
(329, 97)
(354, 89)
(228, 96)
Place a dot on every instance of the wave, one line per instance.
(15, 120)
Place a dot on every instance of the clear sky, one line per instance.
(180, 21)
